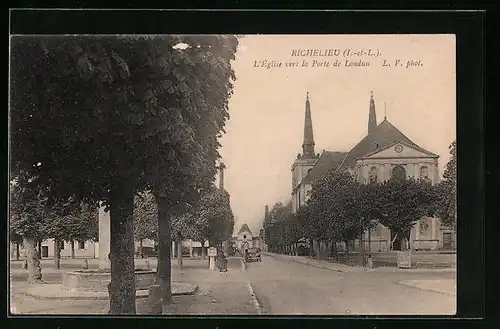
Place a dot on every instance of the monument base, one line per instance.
(97, 280)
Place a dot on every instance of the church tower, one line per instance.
(372, 116)
(305, 161)
(308, 144)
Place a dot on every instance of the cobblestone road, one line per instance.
(285, 287)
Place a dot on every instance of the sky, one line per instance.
(265, 130)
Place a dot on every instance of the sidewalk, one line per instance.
(345, 268)
(448, 287)
(218, 293)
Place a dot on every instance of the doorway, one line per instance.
(45, 251)
(447, 242)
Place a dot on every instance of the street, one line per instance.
(281, 287)
(292, 288)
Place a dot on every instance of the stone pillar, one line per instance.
(172, 251)
(104, 239)
(417, 230)
(191, 248)
(385, 172)
(433, 228)
(436, 173)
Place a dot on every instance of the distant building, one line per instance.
(244, 238)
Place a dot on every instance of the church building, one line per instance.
(245, 238)
(383, 153)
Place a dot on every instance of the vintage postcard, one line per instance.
(233, 174)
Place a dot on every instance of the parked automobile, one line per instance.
(253, 254)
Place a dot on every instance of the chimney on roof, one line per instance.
(266, 214)
(221, 175)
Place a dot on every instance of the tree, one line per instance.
(70, 220)
(403, 202)
(15, 239)
(447, 188)
(214, 217)
(27, 209)
(145, 219)
(333, 211)
(107, 117)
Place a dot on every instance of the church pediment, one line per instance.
(400, 150)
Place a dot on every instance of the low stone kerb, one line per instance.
(57, 291)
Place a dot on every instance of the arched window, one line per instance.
(398, 172)
(372, 175)
(424, 172)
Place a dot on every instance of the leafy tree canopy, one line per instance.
(447, 188)
(403, 202)
(145, 217)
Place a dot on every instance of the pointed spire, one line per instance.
(372, 116)
(308, 145)
(385, 110)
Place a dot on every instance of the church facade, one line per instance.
(245, 238)
(383, 153)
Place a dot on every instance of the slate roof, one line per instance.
(244, 228)
(327, 160)
(384, 135)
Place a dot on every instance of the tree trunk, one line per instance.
(57, 253)
(347, 250)
(179, 255)
(141, 250)
(122, 287)
(34, 268)
(335, 250)
(39, 249)
(362, 249)
(311, 248)
(17, 251)
(203, 251)
(164, 246)
(318, 250)
(369, 241)
(72, 249)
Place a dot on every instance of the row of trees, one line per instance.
(340, 209)
(34, 218)
(210, 220)
(99, 119)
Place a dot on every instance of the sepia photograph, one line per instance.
(223, 174)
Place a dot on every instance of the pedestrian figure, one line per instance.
(224, 262)
(221, 259)
(85, 265)
(370, 262)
